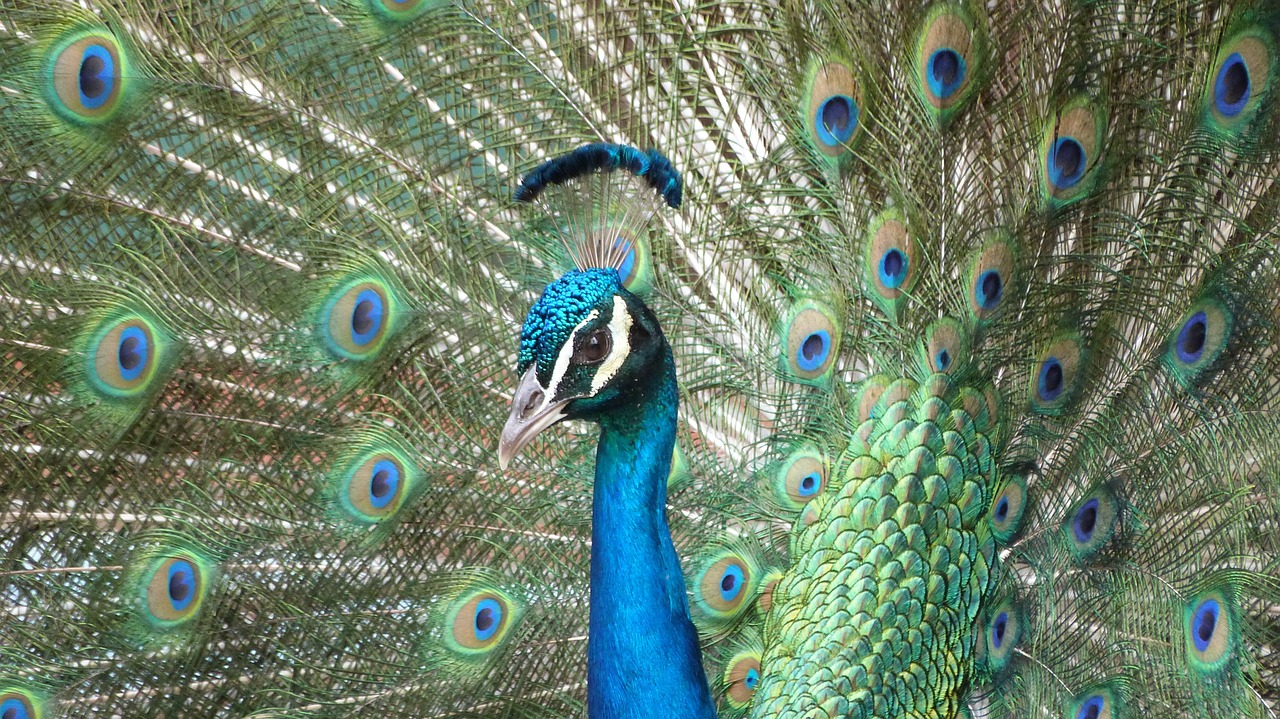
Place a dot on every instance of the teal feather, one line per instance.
(972, 309)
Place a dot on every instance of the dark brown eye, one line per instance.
(593, 347)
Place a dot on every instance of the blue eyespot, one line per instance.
(810, 334)
(989, 290)
(1202, 336)
(946, 71)
(1232, 89)
(97, 76)
(87, 72)
(1067, 162)
(357, 318)
(1191, 338)
(831, 107)
(132, 353)
(1210, 637)
(889, 260)
(837, 118)
(813, 351)
(725, 585)
(742, 676)
(800, 478)
(173, 589)
(1050, 385)
(374, 486)
(1085, 521)
(1008, 508)
(182, 584)
(731, 583)
(1004, 632)
(1204, 623)
(366, 317)
(998, 628)
(946, 348)
(480, 621)
(809, 484)
(124, 356)
(488, 618)
(1091, 525)
(893, 268)
(383, 482)
(15, 706)
(1058, 375)
(1092, 707)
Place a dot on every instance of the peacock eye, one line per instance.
(174, 591)
(741, 677)
(480, 621)
(16, 704)
(593, 347)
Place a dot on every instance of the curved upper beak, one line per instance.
(531, 412)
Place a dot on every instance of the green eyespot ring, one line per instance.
(86, 74)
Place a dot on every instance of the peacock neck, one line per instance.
(643, 660)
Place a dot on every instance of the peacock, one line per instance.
(802, 359)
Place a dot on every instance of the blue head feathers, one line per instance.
(564, 305)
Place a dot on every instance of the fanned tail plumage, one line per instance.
(972, 307)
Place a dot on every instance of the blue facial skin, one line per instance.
(643, 659)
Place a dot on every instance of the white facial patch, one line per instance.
(566, 354)
(620, 328)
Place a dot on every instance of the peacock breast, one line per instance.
(877, 614)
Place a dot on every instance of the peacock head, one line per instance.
(587, 347)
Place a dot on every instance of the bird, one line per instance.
(821, 358)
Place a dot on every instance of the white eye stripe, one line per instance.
(620, 347)
(620, 328)
(566, 354)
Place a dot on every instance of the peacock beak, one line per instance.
(531, 412)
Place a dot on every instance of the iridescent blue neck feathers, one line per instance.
(643, 660)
